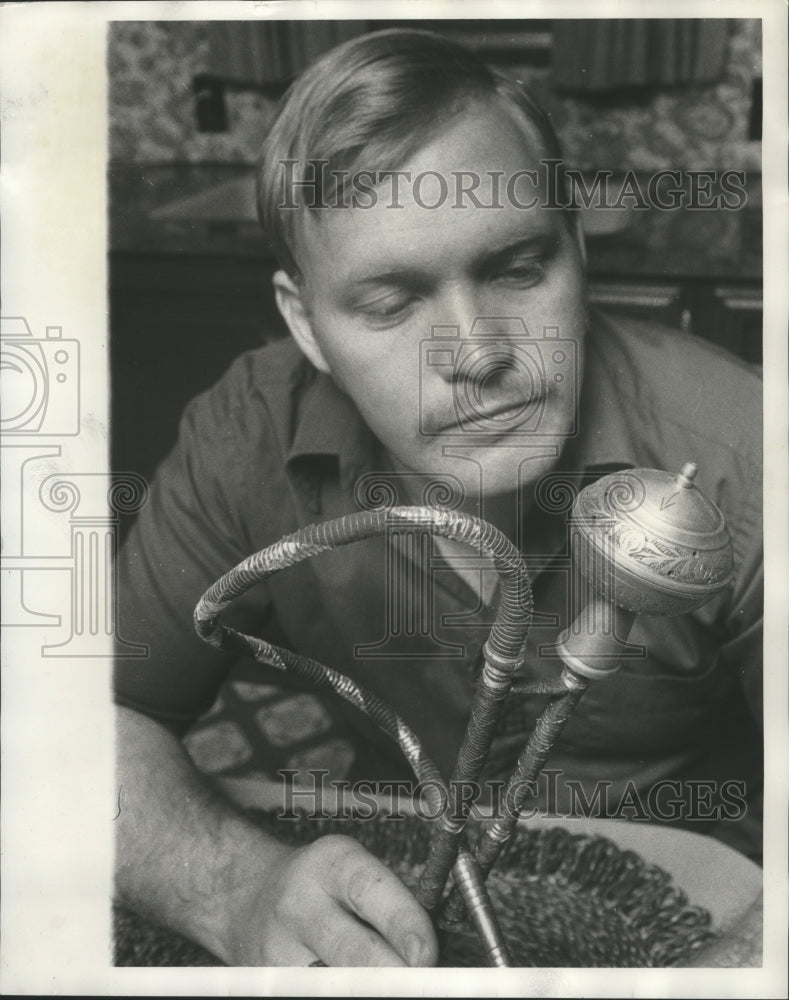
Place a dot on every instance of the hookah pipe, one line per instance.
(647, 542)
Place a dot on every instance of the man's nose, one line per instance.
(487, 344)
(474, 316)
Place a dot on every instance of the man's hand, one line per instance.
(333, 901)
(190, 861)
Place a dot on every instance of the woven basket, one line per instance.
(562, 900)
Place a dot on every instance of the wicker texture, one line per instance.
(563, 900)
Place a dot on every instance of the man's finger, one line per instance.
(340, 939)
(369, 889)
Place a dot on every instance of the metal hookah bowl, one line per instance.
(647, 543)
(652, 542)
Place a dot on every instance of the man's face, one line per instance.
(383, 285)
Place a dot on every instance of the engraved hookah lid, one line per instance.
(658, 535)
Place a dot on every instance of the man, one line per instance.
(433, 284)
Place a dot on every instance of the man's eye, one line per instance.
(524, 272)
(387, 308)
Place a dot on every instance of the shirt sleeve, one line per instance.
(742, 653)
(189, 533)
(742, 650)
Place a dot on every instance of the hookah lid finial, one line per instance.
(686, 475)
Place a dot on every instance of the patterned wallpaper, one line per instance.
(151, 66)
(695, 127)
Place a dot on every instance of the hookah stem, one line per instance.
(471, 884)
(504, 653)
(492, 692)
(546, 731)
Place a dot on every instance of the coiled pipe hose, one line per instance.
(503, 652)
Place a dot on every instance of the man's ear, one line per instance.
(290, 302)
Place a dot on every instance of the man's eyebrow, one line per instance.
(403, 276)
(547, 240)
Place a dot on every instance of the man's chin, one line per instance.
(476, 470)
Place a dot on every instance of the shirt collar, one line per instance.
(327, 425)
(608, 428)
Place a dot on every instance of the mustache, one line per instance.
(492, 410)
(492, 388)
